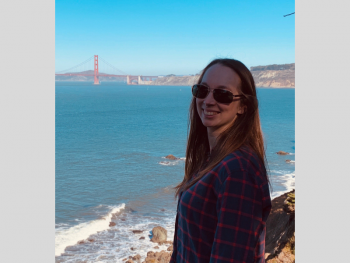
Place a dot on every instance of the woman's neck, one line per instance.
(214, 132)
(212, 137)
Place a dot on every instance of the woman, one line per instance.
(224, 198)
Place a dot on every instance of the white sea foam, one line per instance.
(172, 162)
(287, 180)
(70, 236)
(115, 243)
(168, 163)
(144, 245)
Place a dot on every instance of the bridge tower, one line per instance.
(96, 77)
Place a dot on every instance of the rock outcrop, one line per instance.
(280, 230)
(171, 157)
(158, 257)
(159, 234)
(282, 153)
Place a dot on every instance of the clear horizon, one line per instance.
(162, 38)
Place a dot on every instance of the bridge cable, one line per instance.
(75, 66)
(112, 66)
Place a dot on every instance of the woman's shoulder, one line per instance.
(243, 162)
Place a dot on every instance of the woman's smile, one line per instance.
(210, 113)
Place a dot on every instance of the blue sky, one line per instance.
(173, 37)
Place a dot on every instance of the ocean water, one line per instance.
(111, 141)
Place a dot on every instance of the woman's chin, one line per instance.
(209, 124)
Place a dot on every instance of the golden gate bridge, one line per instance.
(82, 70)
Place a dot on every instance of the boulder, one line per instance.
(170, 248)
(132, 248)
(137, 257)
(282, 153)
(163, 257)
(159, 234)
(129, 261)
(150, 254)
(137, 231)
(156, 247)
(171, 157)
(158, 257)
(142, 238)
(112, 224)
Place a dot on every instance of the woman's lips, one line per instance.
(209, 113)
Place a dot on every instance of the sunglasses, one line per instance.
(201, 91)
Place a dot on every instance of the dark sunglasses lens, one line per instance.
(199, 91)
(222, 96)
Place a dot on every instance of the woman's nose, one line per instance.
(209, 99)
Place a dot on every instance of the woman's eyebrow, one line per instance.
(220, 87)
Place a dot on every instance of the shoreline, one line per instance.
(136, 249)
(170, 85)
(273, 250)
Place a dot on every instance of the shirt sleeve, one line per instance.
(173, 255)
(240, 226)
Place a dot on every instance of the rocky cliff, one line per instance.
(274, 76)
(271, 76)
(173, 80)
(280, 230)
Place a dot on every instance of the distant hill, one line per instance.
(173, 80)
(274, 76)
(274, 67)
(86, 78)
(270, 76)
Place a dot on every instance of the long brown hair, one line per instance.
(245, 130)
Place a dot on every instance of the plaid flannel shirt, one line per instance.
(222, 217)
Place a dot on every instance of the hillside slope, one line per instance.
(271, 76)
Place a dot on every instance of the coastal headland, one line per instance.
(270, 76)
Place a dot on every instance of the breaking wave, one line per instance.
(70, 236)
